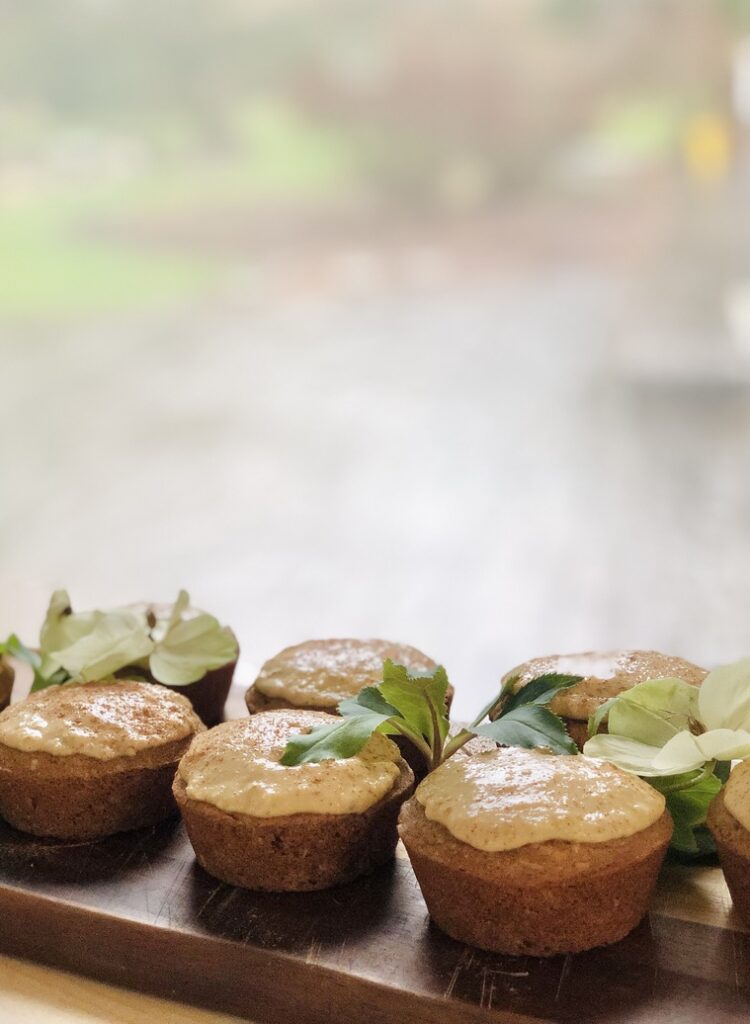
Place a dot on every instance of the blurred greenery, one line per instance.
(141, 145)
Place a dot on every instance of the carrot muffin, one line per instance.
(83, 761)
(318, 674)
(521, 852)
(729, 822)
(256, 823)
(7, 675)
(605, 675)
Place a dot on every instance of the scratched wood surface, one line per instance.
(136, 910)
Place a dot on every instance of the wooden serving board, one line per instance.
(137, 911)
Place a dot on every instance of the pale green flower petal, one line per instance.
(685, 752)
(724, 697)
(626, 753)
(116, 639)
(61, 626)
(724, 744)
(654, 711)
(191, 648)
(680, 754)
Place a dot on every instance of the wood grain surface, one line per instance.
(137, 911)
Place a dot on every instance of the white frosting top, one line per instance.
(235, 767)
(320, 673)
(605, 675)
(99, 720)
(737, 794)
(507, 798)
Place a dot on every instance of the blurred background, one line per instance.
(427, 320)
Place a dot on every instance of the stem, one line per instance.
(437, 743)
(456, 743)
(707, 770)
(418, 742)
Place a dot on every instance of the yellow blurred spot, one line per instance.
(707, 146)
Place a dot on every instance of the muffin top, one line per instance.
(236, 768)
(320, 673)
(605, 675)
(737, 794)
(99, 720)
(507, 798)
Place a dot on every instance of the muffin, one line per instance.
(522, 852)
(83, 761)
(208, 695)
(318, 674)
(728, 820)
(7, 675)
(258, 824)
(604, 676)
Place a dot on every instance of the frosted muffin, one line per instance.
(80, 762)
(7, 676)
(728, 820)
(521, 852)
(318, 674)
(605, 675)
(256, 823)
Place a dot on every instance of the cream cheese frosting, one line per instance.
(737, 794)
(99, 720)
(605, 675)
(320, 673)
(235, 767)
(508, 798)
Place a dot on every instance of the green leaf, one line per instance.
(16, 649)
(190, 648)
(688, 808)
(367, 700)
(529, 726)
(343, 738)
(540, 690)
(654, 711)
(419, 697)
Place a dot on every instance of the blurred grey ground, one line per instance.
(490, 397)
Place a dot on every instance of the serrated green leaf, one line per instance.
(343, 738)
(540, 690)
(190, 648)
(529, 726)
(419, 697)
(367, 700)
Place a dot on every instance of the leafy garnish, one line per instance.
(413, 705)
(681, 739)
(529, 726)
(88, 646)
(343, 739)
